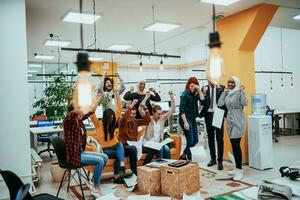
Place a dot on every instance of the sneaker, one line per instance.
(123, 173)
(232, 172)
(211, 163)
(238, 175)
(220, 166)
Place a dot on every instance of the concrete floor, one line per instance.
(285, 153)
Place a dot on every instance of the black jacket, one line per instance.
(206, 106)
(131, 96)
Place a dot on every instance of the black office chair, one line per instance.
(60, 149)
(270, 112)
(19, 191)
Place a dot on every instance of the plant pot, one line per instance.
(56, 172)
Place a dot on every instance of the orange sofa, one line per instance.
(175, 151)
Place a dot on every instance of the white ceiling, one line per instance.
(123, 21)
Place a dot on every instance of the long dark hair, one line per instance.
(105, 80)
(109, 123)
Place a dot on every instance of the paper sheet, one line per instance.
(249, 193)
(218, 117)
(139, 197)
(138, 145)
(99, 111)
(110, 196)
(107, 188)
(131, 181)
(195, 196)
(198, 154)
(157, 145)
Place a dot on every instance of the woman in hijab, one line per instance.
(188, 112)
(140, 94)
(234, 98)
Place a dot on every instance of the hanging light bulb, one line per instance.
(215, 63)
(161, 66)
(292, 82)
(141, 65)
(271, 82)
(84, 96)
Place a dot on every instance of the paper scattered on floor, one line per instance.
(223, 177)
(109, 196)
(249, 193)
(159, 198)
(131, 182)
(107, 188)
(195, 196)
(198, 154)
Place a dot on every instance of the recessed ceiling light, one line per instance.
(119, 47)
(297, 17)
(161, 27)
(60, 43)
(42, 57)
(220, 2)
(35, 65)
(95, 59)
(83, 18)
(32, 71)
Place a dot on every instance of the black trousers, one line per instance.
(212, 133)
(150, 153)
(131, 152)
(237, 152)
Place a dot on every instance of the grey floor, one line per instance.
(286, 153)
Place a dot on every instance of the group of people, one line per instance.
(114, 129)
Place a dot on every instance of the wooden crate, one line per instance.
(176, 181)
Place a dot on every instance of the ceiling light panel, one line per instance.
(83, 18)
(43, 57)
(161, 27)
(119, 47)
(57, 43)
(297, 17)
(220, 2)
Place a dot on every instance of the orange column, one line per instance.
(240, 34)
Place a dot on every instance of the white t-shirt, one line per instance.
(156, 129)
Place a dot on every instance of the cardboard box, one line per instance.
(176, 181)
(149, 180)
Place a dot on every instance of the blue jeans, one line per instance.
(116, 152)
(164, 152)
(191, 136)
(98, 160)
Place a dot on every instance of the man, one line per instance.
(128, 131)
(106, 86)
(212, 94)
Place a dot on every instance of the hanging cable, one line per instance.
(281, 49)
(95, 28)
(214, 18)
(81, 26)
(153, 32)
(112, 63)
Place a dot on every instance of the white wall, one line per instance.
(268, 57)
(14, 122)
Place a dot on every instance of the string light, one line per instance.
(281, 81)
(292, 81)
(161, 65)
(271, 82)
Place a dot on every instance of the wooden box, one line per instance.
(149, 180)
(176, 181)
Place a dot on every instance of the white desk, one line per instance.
(34, 132)
(284, 112)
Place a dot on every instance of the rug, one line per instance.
(209, 187)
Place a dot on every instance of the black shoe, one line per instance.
(119, 181)
(183, 157)
(220, 166)
(123, 173)
(211, 163)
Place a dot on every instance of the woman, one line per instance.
(108, 137)
(234, 98)
(106, 86)
(75, 139)
(155, 130)
(188, 112)
(140, 95)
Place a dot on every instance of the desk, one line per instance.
(283, 112)
(34, 132)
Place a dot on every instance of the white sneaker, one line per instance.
(232, 172)
(238, 175)
(96, 192)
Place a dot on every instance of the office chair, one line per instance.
(45, 137)
(19, 191)
(271, 114)
(60, 149)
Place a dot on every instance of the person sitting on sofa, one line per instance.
(128, 131)
(75, 140)
(155, 130)
(108, 137)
